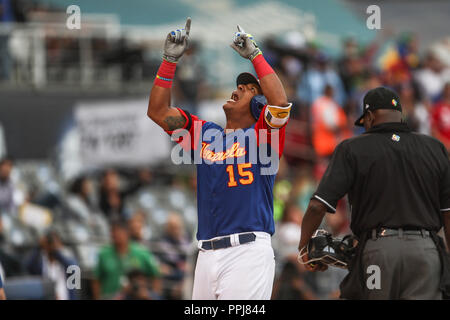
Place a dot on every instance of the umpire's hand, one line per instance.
(177, 42)
(303, 258)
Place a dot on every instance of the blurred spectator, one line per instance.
(112, 197)
(290, 71)
(20, 49)
(119, 258)
(292, 282)
(6, 187)
(352, 69)
(2, 291)
(81, 204)
(10, 260)
(5, 57)
(190, 80)
(329, 123)
(138, 230)
(288, 233)
(6, 11)
(441, 117)
(11, 263)
(14, 10)
(432, 77)
(49, 261)
(408, 48)
(304, 187)
(315, 79)
(400, 60)
(138, 287)
(281, 190)
(80, 200)
(136, 226)
(172, 250)
(415, 112)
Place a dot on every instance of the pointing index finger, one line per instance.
(240, 29)
(187, 28)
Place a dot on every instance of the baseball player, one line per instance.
(235, 195)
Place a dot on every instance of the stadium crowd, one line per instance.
(132, 232)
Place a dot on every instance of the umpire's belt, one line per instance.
(226, 242)
(386, 232)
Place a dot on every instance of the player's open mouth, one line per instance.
(234, 98)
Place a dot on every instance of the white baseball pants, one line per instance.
(241, 272)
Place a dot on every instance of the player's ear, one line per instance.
(368, 119)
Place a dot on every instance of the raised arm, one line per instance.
(270, 84)
(159, 109)
(161, 113)
(272, 88)
(277, 112)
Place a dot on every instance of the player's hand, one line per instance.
(177, 42)
(244, 44)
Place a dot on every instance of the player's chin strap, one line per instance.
(276, 116)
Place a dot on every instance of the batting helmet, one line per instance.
(259, 101)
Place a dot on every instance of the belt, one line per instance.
(387, 232)
(225, 242)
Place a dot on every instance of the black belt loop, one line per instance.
(422, 231)
(374, 234)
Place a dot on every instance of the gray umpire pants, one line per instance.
(402, 267)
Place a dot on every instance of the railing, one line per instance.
(42, 54)
(45, 53)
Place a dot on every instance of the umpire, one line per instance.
(398, 186)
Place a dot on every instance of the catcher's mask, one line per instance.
(322, 248)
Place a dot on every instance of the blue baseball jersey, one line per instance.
(234, 195)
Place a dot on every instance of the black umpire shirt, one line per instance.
(394, 178)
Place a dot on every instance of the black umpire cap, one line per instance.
(379, 98)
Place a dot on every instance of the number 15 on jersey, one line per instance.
(245, 176)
